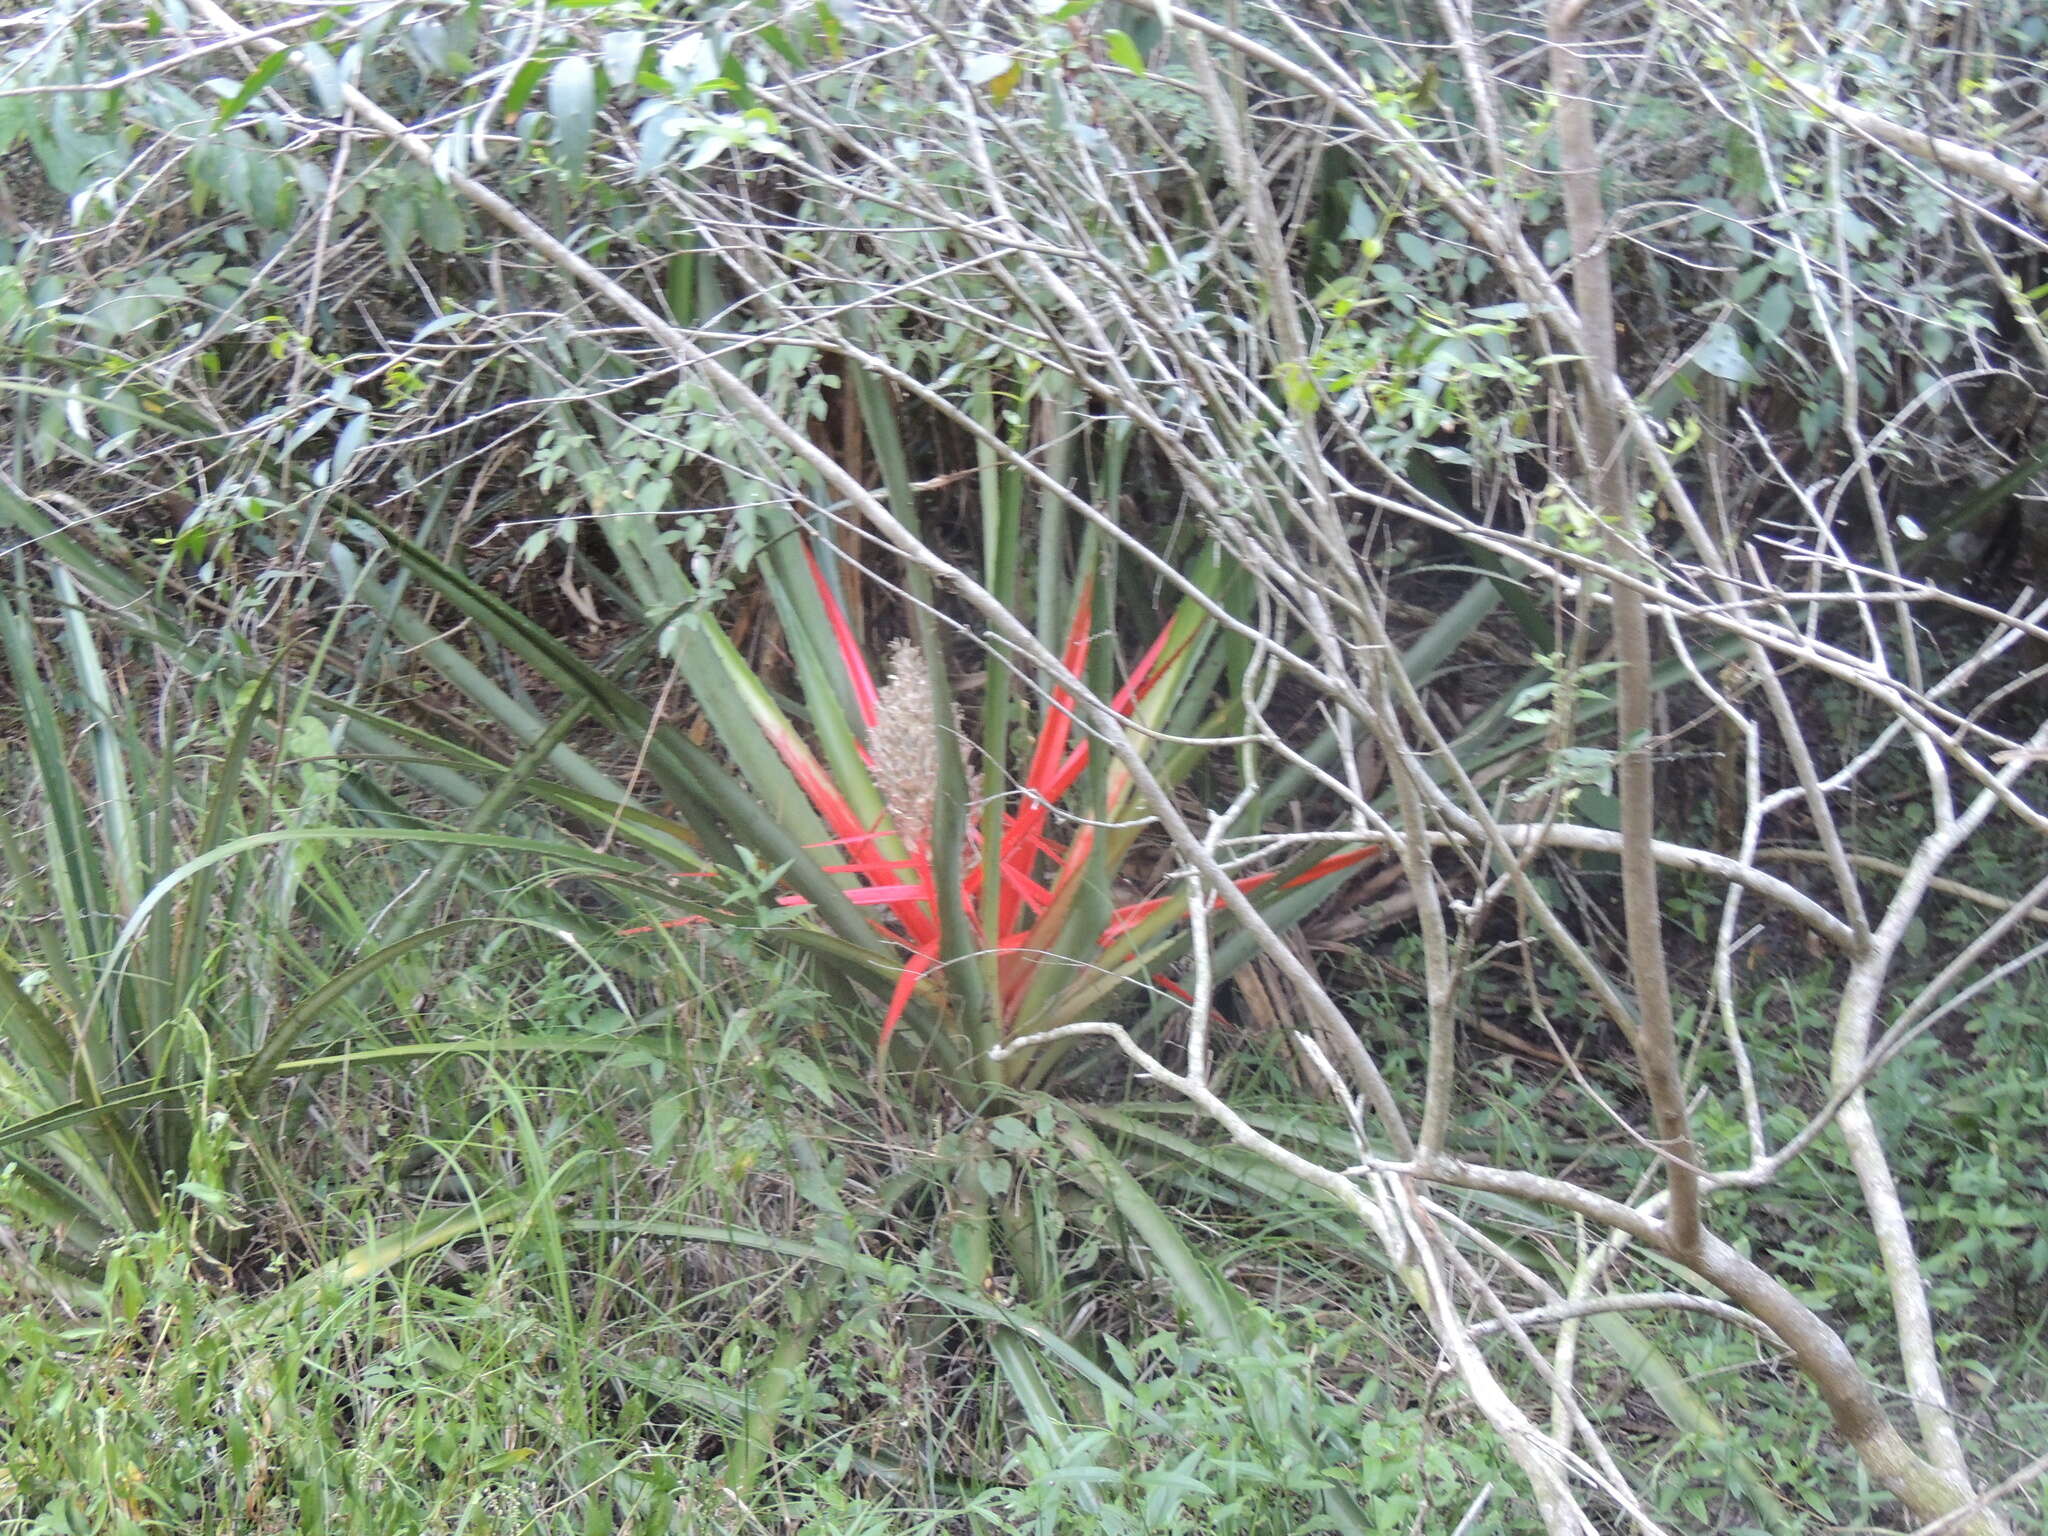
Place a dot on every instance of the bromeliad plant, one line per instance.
(990, 888)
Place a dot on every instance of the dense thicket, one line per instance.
(1082, 766)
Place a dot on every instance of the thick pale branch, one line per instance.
(1607, 469)
(1681, 856)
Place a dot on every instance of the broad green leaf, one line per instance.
(660, 134)
(620, 53)
(1123, 52)
(572, 102)
(259, 77)
(524, 84)
(324, 74)
(1720, 353)
(1774, 311)
(347, 443)
(122, 315)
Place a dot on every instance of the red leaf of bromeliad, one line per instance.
(850, 657)
(899, 1000)
(1032, 893)
(1314, 872)
(1059, 720)
(868, 896)
(673, 922)
(1125, 918)
(1143, 679)
(887, 895)
(1022, 836)
(818, 786)
(1150, 668)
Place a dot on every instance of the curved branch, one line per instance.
(1676, 856)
